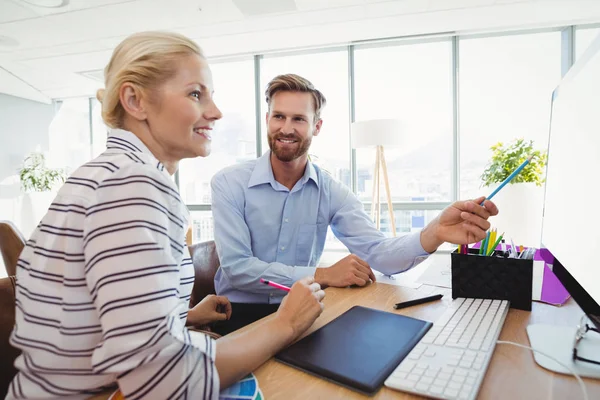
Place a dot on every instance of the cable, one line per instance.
(581, 383)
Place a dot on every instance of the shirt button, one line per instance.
(282, 248)
(286, 220)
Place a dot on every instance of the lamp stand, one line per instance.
(380, 166)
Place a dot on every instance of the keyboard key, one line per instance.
(430, 353)
(399, 384)
(436, 389)
(430, 373)
(422, 387)
(451, 392)
(426, 380)
(454, 385)
(444, 375)
(461, 372)
(406, 366)
(400, 375)
(413, 378)
(441, 382)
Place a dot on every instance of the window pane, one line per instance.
(234, 136)
(328, 71)
(583, 38)
(203, 228)
(413, 83)
(407, 221)
(69, 134)
(99, 129)
(506, 85)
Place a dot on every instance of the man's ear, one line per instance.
(267, 118)
(132, 101)
(318, 127)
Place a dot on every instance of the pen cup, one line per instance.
(498, 278)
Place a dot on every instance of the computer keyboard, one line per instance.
(450, 361)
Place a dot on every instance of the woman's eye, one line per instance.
(196, 94)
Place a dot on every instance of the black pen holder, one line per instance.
(492, 277)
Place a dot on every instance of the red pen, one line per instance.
(275, 285)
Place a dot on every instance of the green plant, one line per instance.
(36, 177)
(507, 157)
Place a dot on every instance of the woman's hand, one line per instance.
(212, 308)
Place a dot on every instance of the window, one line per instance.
(413, 83)
(328, 71)
(234, 136)
(69, 135)
(203, 228)
(99, 129)
(506, 84)
(583, 38)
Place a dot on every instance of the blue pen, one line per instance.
(508, 179)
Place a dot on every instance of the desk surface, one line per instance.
(512, 372)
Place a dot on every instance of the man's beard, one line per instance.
(287, 155)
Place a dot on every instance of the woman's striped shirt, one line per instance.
(103, 287)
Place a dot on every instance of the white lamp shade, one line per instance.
(377, 132)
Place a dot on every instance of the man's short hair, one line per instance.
(295, 83)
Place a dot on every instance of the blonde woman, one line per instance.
(104, 281)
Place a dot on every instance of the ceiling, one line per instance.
(52, 53)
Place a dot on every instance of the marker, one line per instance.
(415, 302)
(508, 179)
(275, 285)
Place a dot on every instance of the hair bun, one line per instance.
(100, 95)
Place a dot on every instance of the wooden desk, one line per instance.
(512, 373)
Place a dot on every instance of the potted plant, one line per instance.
(36, 177)
(37, 183)
(520, 202)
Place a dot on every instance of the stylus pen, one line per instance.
(275, 285)
(410, 303)
(508, 179)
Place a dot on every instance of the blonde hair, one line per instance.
(295, 83)
(145, 60)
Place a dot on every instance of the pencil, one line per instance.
(490, 251)
(275, 285)
(508, 179)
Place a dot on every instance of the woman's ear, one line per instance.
(132, 101)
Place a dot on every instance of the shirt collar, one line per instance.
(125, 141)
(263, 173)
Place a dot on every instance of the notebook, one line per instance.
(359, 349)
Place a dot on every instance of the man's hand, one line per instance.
(350, 270)
(212, 308)
(462, 222)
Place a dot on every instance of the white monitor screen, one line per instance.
(571, 224)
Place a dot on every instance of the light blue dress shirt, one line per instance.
(264, 230)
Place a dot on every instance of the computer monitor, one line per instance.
(571, 218)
